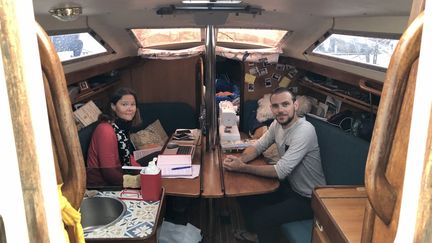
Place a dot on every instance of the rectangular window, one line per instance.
(260, 37)
(174, 37)
(370, 51)
(160, 37)
(73, 46)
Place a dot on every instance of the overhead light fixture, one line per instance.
(210, 7)
(66, 13)
(211, 2)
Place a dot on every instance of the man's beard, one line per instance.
(286, 122)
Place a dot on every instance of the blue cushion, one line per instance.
(343, 156)
(298, 231)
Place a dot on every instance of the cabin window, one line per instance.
(74, 46)
(189, 37)
(260, 37)
(160, 37)
(370, 51)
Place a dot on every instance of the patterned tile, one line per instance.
(137, 222)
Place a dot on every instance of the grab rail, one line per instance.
(381, 193)
(67, 149)
(363, 85)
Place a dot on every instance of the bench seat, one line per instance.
(343, 157)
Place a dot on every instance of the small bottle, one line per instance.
(152, 169)
(151, 182)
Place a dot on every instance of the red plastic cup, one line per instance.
(151, 186)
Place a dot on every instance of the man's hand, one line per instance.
(234, 163)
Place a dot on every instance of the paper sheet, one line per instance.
(284, 82)
(250, 79)
(195, 173)
(170, 171)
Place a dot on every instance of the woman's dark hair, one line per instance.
(119, 93)
(109, 114)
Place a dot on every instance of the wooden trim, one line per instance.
(344, 98)
(339, 75)
(80, 75)
(364, 86)
(23, 131)
(416, 8)
(211, 184)
(424, 212)
(75, 179)
(2, 231)
(382, 195)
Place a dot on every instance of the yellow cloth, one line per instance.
(70, 217)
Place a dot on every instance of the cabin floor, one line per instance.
(227, 218)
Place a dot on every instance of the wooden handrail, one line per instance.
(65, 136)
(381, 193)
(363, 85)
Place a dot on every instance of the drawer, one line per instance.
(318, 233)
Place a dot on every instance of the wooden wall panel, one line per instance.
(164, 80)
(260, 88)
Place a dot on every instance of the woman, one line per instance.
(111, 147)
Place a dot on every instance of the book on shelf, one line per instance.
(87, 114)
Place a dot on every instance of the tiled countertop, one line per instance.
(137, 222)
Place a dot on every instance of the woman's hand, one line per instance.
(234, 163)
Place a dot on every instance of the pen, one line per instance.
(182, 167)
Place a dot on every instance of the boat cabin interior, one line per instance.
(202, 73)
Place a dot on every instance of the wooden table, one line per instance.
(242, 184)
(214, 182)
(185, 187)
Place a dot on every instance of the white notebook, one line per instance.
(175, 164)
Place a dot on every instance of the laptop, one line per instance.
(173, 148)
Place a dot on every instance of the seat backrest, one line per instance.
(85, 136)
(248, 121)
(172, 115)
(343, 155)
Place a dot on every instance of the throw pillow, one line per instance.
(264, 112)
(157, 128)
(152, 134)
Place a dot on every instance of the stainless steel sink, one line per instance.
(98, 212)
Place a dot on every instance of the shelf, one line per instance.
(336, 94)
(90, 94)
(84, 74)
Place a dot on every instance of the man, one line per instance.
(299, 170)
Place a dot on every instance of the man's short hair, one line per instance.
(280, 90)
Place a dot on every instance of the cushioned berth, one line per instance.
(171, 115)
(343, 157)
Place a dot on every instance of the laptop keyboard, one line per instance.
(184, 150)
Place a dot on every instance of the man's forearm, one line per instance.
(249, 154)
(261, 170)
